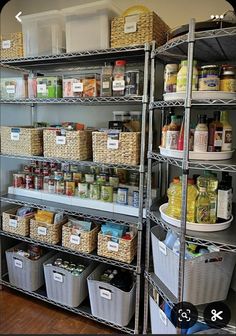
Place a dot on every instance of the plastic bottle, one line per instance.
(225, 196)
(172, 134)
(202, 206)
(164, 131)
(118, 85)
(191, 201)
(181, 138)
(182, 77)
(227, 131)
(201, 135)
(215, 134)
(212, 185)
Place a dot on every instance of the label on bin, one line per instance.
(60, 140)
(75, 239)
(6, 44)
(41, 88)
(58, 277)
(15, 136)
(112, 246)
(13, 223)
(42, 231)
(78, 87)
(105, 294)
(130, 27)
(18, 263)
(10, 88)
(162, 316)
(162, 247)
(118, 85)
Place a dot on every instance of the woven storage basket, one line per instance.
(16, 224)
(127, 249)
(128, 151)
(12, 45)
(87, 243)
(30, 141)
(78, 145)
(49, 233)
(150, 27)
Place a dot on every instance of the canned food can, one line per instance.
(135, 199)
(29, 181)
(73, 168)
(45, 164)
(122, 174)
(46, 172)
(51, 185)
(27, 169)
(77, 177)
(60, 187)
(107, 193)
(65, 167)
(89, 178)
(83, 190)
(114, 181)
(38, 170)
(45, 183)
(19, 180)
(58, 175)
(38, 182)
(67, 176)
(95, 191)
(122, 196)
(102, 178)
(54, 166)
(70, 188)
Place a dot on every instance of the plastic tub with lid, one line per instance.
(88, 25)
(136, 115)
(121, 116)
(43, 33)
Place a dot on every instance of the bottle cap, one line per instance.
(203, 189)
(176, 179)
(191, 181)
(120, 62)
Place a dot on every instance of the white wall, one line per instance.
(174, 12)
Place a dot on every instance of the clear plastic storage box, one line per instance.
(43, 33)
(88, 25)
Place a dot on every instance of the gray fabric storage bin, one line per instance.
(23, 272)
(160, 324)
(64, 287)
(206, 278)
(108, 302)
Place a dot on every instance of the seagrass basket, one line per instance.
(12, 45)
(145, 28)
(49, 233)
(22, 140)
(127, 151)
(74, 145)
(16, 224)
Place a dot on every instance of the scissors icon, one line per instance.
(216, 315)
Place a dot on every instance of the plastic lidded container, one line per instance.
(88, 25)
(43, 33)
(121, 116)
(136, 115)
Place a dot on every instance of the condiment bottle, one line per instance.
(170, 82)
(225, 196)
(201, 135)
(164, 131)
(227, 131)
(227, 79)
(118, 84)
(172, 135)
(215, 134)
(181, 137)
(202, 206)
(191, 137)
(182, 77)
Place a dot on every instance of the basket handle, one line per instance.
(109, 290)
(209, 260)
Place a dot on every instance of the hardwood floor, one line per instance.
(20, 314)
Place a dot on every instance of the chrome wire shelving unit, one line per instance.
(135, 54)
(206, 46)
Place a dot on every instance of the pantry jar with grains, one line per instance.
(228, 79)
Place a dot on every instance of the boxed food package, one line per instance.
(49, 87)
(91, 85)
(88, 25)
(14, 88)
(12, 45)
(73, 86)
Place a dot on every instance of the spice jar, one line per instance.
(227, 79)
(209, 79)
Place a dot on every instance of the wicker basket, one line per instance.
(125, 251)
(77, 145)
(12, 45)
(128, 151)
(87, 242)
(22, 140)
(16, 224)
(49, 233)
(148, 27)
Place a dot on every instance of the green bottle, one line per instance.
(203, 206)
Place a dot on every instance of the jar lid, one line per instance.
(228, 72)
(210, 66)
(172, 66)
(120, 62)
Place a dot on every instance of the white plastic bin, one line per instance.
(64, 287)
(23, 272)
(109, 302)
(160, 324)
(43, 33)
(206, 278)
(88, 25)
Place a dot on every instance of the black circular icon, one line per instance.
(184, 315)
(217, 315)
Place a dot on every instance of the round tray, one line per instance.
(194, 226)
(200, 95)
(208, 156)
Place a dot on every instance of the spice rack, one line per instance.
(207, 46)
(135, 55)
